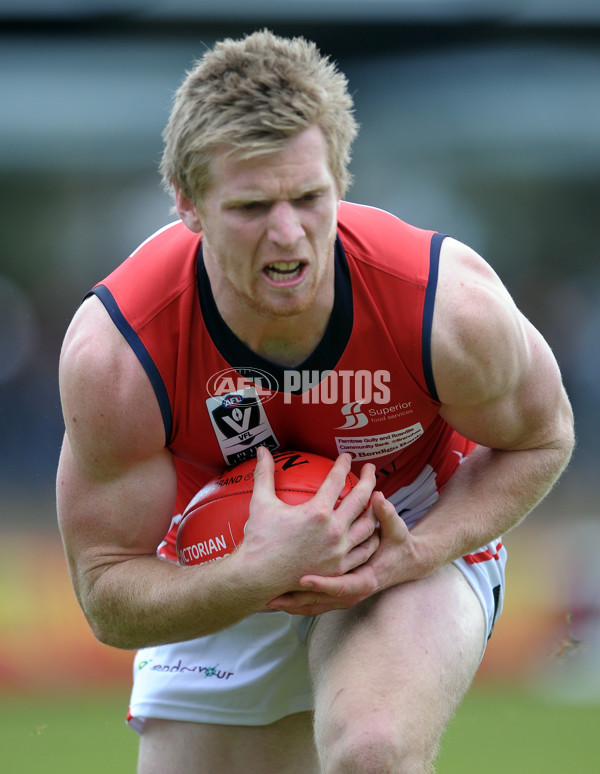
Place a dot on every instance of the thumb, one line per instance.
(389, 520)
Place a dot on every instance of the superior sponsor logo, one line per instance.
(390, 412)
(355, 418)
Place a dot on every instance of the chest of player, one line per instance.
(368, 405)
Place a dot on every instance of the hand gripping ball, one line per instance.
(213, 523)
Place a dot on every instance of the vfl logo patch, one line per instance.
(240, 424)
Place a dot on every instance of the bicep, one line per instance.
(117, 517)
(497, 378)
(116, 480)
(531, 411)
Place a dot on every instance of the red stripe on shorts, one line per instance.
(484, 556)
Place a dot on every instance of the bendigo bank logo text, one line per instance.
(327, 387)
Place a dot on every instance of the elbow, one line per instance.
(108, 612)
(560, 451)
(108, 634)
(113, 624)
(111, 638)
(567, 436)
(569, 444)
(107, 622)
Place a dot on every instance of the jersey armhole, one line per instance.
(142, 354)
(434, 261)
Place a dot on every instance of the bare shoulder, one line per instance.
(108, 402)
(478, 334)
(496, 376)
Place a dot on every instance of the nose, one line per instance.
(284, 227)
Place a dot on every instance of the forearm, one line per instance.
(147, 601)
(490, 493)
(133, 599)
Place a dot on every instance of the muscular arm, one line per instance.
(116, 488)
(499, 386)
(115, 494)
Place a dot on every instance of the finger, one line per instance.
(296, 603)
(363, 490)
(293, 600)
(264, 475)
(355, 585)
(367, 472)
(362, 528)
(361, 553)
(357, 500)
(334, 481)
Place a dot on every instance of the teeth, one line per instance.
(282, 266)
(281, 270)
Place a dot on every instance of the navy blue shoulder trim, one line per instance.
(142, 354)
(434, 261)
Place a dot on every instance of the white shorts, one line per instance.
(256, 672)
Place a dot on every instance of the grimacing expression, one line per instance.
(268, 226)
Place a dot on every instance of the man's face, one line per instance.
(268, 228)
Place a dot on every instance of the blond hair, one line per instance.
(250, 95)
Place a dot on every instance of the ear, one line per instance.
(187, 211)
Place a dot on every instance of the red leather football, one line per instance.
(213, 523)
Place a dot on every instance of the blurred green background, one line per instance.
(499, 731)
(481, 119)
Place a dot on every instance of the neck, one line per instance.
(288, 341)
(285, 336)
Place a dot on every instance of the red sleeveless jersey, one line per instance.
(367, 389)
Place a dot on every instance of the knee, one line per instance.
(376, 748)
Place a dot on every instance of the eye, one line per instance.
(252, 206)
(307, 198)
